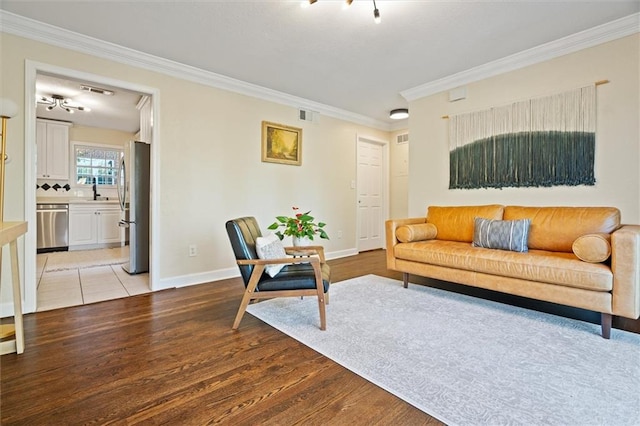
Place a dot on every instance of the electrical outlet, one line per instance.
(193, 250)
(339, 234)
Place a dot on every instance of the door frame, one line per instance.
(32, 69)
(385, 181)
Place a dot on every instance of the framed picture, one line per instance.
(281, 144)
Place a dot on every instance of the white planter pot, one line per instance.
(301, 241)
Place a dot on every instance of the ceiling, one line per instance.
(117, 111)
(326, 53)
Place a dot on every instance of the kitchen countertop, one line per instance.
(73, 200)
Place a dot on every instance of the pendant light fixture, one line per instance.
(61, 102)
(399, 114)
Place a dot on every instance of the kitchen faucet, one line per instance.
(95, 190)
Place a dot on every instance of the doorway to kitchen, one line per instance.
(37, 275)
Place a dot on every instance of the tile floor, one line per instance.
(71, 287)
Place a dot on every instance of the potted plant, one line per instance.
(301, 227)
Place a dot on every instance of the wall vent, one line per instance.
(307, 115)
(403, 138)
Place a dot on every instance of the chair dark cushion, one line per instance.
(292, 277)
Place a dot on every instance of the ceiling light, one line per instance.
(61, 102)
(399, 114)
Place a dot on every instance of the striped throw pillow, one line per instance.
(501, 234)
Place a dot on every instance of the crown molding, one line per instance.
(35, 30)
(588, 38)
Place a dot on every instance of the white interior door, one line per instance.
(371, 194)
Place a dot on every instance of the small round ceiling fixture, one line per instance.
(399, 114)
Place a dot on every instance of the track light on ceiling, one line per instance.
(399, 114)
(61, 102)
(376, 12)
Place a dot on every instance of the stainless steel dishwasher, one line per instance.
(53, 227)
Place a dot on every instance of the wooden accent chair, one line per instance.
(305, 274)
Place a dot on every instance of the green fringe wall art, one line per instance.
(539, 142)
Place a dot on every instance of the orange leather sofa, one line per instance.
(577, 256)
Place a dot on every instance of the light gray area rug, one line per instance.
(468, 361)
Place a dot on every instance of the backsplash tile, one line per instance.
(56, 187)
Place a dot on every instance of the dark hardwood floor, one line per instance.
(171, 357)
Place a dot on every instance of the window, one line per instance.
(99, 163)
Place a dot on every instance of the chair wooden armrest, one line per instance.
(286, 260)
(307, 251)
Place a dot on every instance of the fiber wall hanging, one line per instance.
(545, 141)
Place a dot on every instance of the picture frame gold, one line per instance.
(281, 144)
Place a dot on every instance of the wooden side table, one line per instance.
(9, 233)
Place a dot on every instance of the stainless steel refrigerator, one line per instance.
(133, 193)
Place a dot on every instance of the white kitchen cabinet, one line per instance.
(94, 225)
(52, 141)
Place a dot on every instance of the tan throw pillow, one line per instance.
(592, 248)
(418, 232)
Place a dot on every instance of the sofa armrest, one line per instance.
(625, 264)
(391, 225)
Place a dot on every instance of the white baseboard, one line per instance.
(341, 253)
(199, 278)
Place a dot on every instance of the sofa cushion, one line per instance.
(501, 234)
(417, 232)
(536, 265)
(456, 223)
(556, 228)
(592, 248)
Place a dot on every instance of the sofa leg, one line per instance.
(405, 279)
(605, 322)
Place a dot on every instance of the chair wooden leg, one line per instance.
(253, 283)
(326, 298)
(241, 310)
(405, 279)
(323, 315)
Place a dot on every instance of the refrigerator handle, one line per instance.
(122, 184)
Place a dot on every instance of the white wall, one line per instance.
(210, 168)
(617, 159)
(99, 136)
(399, 176)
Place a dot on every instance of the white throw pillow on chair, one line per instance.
(270, 247)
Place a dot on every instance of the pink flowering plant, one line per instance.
(300, 225)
